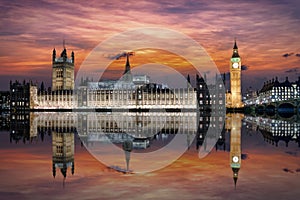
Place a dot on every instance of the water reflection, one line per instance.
(234, 125)
(275, 130)
(63, 151)
(134, 134)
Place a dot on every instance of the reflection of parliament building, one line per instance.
(63, 150)
(143, 129)
(275, 130)
(118, 127)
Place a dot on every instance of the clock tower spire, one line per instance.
(235, 50)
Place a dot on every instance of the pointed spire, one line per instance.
(53, 170)
(73, 168)
(64, 44)
(127, 66)
(188, 79)
(64, 180)
(235, 50)
(54, 55)
(235, 175)
(235, 45)
(235, 181)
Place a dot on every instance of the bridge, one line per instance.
(285, 109)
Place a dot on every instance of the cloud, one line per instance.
(244, 156)
(288, 170)
(244, 67)
(28, 34)
(115, 56)
(292, 70)
(287, 55)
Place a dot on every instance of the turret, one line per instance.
(53, 170)
(64, 54)
(54, 55)
(73, 57)
(73, 168)
(235, 50)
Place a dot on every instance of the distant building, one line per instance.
(250, 95)
(203, 95)
(20, 95)
(211, 97)
(4, 100)
(275, 91)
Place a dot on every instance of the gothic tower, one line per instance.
(62, 71)
(235, 79)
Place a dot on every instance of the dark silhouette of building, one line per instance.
(19, 127)
(20, 95)
(4, 101)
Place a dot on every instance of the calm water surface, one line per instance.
(56, 156)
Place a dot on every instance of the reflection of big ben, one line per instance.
(235, 78)
(234, 124)
(62, 151)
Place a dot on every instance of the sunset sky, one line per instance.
(265, 31)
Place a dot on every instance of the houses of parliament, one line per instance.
(129, 92)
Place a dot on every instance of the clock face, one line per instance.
(235, 159)
(235, 65)
(235, 59)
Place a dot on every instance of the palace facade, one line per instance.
(130, 92)
(274, 91)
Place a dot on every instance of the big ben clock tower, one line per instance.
(235, 78)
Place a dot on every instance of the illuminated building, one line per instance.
(130, 92)
(62, 71)
(4, 101)
(275, 91)
(234, 97)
